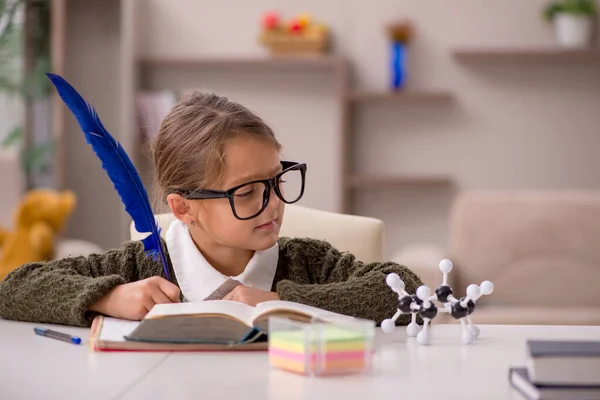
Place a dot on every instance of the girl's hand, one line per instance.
(250, 296)
(133, 300)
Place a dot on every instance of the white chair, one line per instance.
(361, 236)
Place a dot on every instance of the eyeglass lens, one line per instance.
(248, 200)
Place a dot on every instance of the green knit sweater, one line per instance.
(309, 271)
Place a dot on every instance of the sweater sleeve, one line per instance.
(61, 291)
(323, 277)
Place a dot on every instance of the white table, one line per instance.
(35, 367)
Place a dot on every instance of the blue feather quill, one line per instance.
(117, 164)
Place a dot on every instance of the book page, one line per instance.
(240, 311)
(272, 307)
(114, 329)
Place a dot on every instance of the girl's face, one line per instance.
(246, 160)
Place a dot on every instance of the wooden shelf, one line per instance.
(283, 62)
(407, 96)
(374, 181)
(541, 55)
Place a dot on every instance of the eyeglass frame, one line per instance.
(270, 184)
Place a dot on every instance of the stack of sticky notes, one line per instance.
(320, 348)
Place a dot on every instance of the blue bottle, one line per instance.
(398, 65)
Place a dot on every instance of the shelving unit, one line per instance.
(348, 100)
(355, 181)
(280, 62)
(401, 97)
(96, 46)
(362, 182)
(539, 55)
(115, 74)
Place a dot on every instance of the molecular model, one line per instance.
(422, 304)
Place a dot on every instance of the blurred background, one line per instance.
(471, 128)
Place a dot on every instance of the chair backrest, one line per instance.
(361, 236)
(539, 248)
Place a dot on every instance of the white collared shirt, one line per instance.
(198, 279)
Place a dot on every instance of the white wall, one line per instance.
(93, 46)
(512, 126)
(11, 179)
(11, 113)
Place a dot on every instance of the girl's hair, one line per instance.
(188, 151)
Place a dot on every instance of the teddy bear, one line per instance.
(40, 217)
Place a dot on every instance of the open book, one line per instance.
(206, 325)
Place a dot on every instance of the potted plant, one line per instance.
(573, 21)
(29, 84)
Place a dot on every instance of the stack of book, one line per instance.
(559, 370)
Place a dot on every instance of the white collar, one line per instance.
(198, 279)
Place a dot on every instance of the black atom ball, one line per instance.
(443, 292)
(458, 311)
(404, 304)
(429, 312)
(470, 306)
(416, 299)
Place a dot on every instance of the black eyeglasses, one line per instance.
(250, 199)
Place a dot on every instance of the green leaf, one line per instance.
(7, 18)
(11, 48)
(13, 137)
(577, 7)
(32, 84)
(37, 158)
(36, 85)
(550, 11)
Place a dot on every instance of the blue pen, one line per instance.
(57, 335)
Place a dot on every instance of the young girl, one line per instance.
(218, 167)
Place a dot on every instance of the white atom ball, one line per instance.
(423, 292)
(445, 266)
(487, 287)
(393, 280)
(388, 326)
(473, 291)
